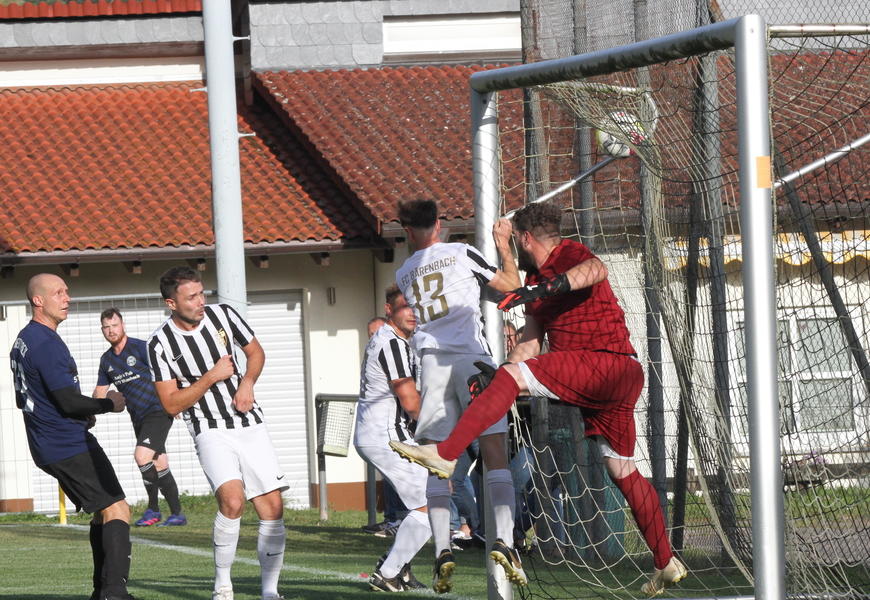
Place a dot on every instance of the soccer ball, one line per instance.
(630, 127)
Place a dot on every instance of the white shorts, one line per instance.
(244, 453)
(408, 479)
(444, 393)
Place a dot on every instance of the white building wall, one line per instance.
(336, 338)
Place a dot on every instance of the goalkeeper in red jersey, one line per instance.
(590, 363)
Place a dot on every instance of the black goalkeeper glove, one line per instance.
(544, 288)
(478, 382)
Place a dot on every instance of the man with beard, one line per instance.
(444, 283)
(195, 368)
(388, 405)
(590, 363)
(125, 365)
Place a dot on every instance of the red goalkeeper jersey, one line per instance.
(587, 319)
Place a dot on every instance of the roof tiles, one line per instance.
(46, 9)
(390, 134)
(128, 166)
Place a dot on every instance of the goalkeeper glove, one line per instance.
(544, 288)
(478, 382)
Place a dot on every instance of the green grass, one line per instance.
(323, 559)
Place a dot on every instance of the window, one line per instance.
(452, 38)
(815, 376)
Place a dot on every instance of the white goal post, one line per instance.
(747, 36)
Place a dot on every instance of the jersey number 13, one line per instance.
(436, 303)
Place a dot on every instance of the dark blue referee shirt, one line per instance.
(131, 374)
(41, 363)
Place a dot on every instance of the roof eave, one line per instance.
(182, 252)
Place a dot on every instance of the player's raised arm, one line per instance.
(507, 278)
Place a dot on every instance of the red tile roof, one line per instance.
(127, 166)
(390, 134)
(46, 9)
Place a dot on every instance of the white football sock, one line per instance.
(270, 550)
(225, 538)
(412, 534)
(438, 501)
(503, 499)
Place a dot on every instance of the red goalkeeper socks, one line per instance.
(644, 502)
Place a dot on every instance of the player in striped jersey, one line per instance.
(388, 401)
(444, 282)
(195, 368)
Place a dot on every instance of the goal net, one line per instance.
(645, 163)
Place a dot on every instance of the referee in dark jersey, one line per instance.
(125, 365)
(57, 417)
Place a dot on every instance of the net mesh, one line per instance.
(665, 220)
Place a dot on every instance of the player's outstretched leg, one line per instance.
(425, 455)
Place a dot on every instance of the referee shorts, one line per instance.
(88, 480)
(243, 453)
(444, 393)
(152, 431)
(408, 479)
(604, 385)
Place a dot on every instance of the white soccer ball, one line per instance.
(630, 128)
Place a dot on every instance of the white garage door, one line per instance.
(276, 318)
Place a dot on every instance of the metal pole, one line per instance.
(484, 157)
(756, 216)
(224, 144)
(323, 496)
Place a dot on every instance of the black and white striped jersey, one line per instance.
(379, 416)
(443, 283)
(186, 355)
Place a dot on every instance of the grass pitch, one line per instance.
(323, 559)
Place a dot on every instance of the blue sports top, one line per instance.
(41, 363)
(131, 374)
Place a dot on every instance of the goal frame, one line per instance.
(747, 35)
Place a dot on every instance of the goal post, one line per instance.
(747, 36)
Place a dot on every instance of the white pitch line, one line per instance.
(253, 562)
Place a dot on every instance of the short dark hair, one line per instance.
(174, 277)
(109, 313)
(392, 293)
(540, 219)
(418, 214)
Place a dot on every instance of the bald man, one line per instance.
(57, 417)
